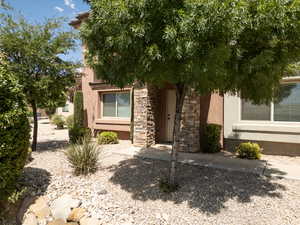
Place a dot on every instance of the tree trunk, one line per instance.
(180, 95)
(35, 126)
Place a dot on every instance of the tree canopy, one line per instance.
(230, 46)
(34, 54)
(238, 46)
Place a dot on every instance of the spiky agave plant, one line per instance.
(83, 156)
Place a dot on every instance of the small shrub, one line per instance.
(83, 157)
(58, 120)
(107, 137)
(212, 136)
(78, 109)
(77, 133)
(249, 150)
(70, 121)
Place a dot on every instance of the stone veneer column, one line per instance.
(189, 137)
(144, 128)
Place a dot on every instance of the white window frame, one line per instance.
(287, 81)
(102, 105)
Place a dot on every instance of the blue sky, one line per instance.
(38, 10)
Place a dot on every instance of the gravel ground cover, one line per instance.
(128, 193)
(125, 190)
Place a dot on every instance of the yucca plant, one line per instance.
(83, 156)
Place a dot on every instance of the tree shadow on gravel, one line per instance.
(203, 188)
(53, 145)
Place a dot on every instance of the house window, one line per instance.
(286, 108)
(65, 108)
(255, 112)
(116, 105)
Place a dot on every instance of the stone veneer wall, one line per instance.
(145, 123)
(146, 119)
(189, 137)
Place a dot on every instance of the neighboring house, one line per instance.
(276, 127)
(67, 110)
(145, 114)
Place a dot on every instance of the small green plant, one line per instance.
(212, 136)
(107, 137)
(77, 133)
(83, 156)
(16, 195)
(70, 121)
(249, 150)
(166, 187)
(58, 120)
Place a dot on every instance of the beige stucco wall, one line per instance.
(211, 107)
(90, 97)
(91, 89)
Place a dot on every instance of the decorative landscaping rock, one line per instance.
(89, 221)
(76, 214)
(40, 208)
(57, 222)
(61, 207)
(30, 219)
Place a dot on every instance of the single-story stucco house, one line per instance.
(145, 114)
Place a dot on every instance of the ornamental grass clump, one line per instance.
(249, 150)
(83, 156)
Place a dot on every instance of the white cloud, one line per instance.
(58, 9)
(70, 4)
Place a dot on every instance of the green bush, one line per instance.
(58, 120)
(83, 157)
(249, 150)
(14, 133)
(70, 121)
(78, 109)
(77, 133)
(212, 136)
(107, 137)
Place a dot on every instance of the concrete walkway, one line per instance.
(278, 166)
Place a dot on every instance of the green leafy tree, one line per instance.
(34, 54)
(233, 46)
